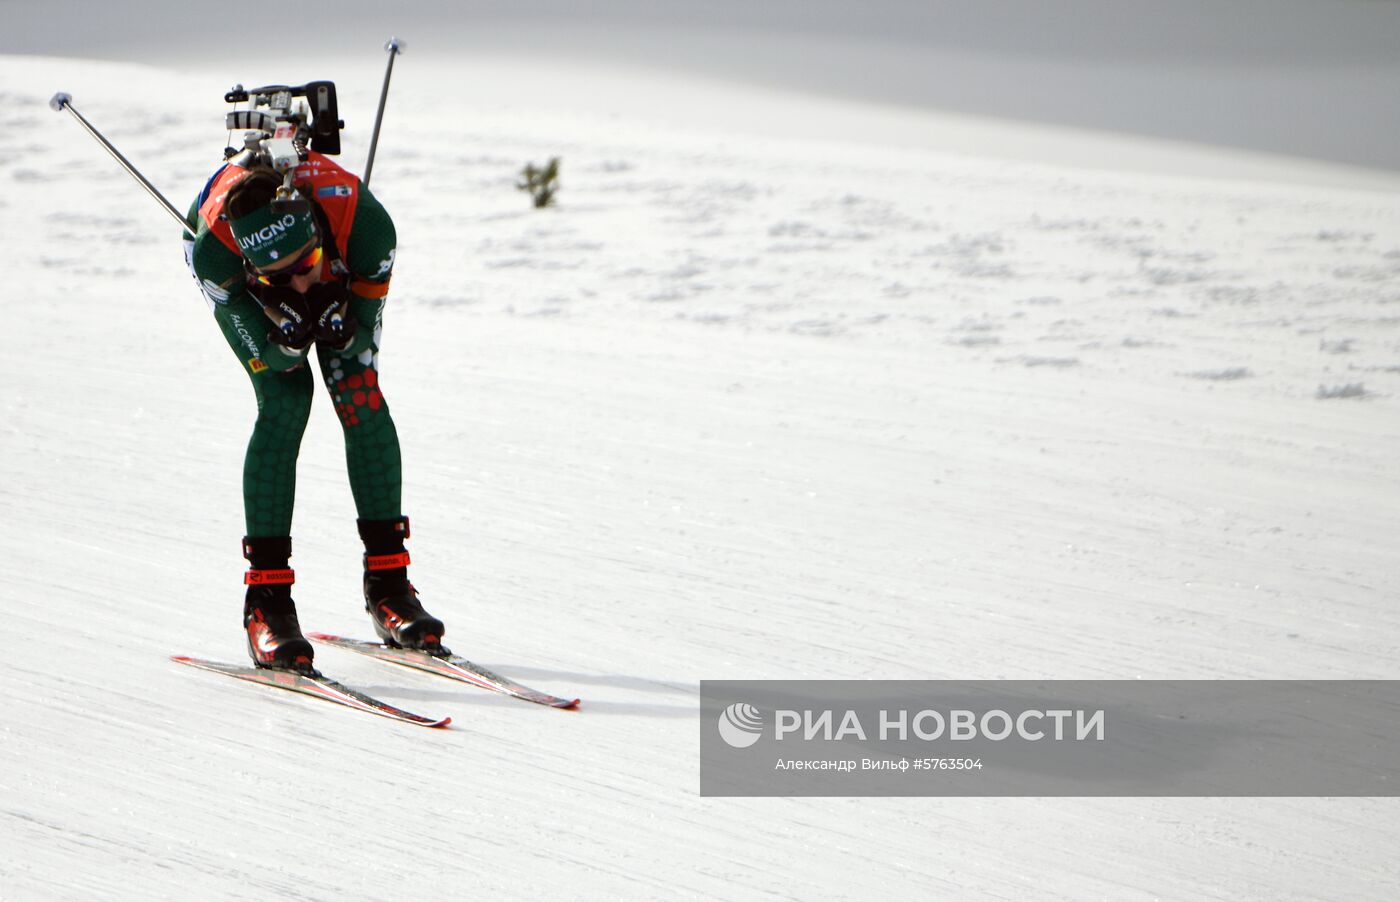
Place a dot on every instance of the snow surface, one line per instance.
(742, 406)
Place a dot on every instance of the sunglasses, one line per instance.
(304, 264)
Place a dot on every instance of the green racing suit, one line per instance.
(283, 383)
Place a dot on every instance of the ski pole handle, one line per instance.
(62, 101)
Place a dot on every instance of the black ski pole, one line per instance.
(62, 101)
(395, 47)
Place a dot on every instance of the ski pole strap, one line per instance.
(386, 561)
(282, 577)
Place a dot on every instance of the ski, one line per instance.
(447, 665)
(314, 684)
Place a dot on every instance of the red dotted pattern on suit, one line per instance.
(362, 391)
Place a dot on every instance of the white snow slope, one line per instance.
(739, 407)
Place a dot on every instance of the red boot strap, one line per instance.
(284, 577)
(386, 561)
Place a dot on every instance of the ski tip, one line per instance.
(442, 724)
(566, 705)
(181, 659)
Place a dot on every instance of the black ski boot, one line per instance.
(269, 614)
(390, 598)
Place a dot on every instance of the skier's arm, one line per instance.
(240, 316)
(369, 256)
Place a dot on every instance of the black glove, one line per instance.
(289, 309)
(331, 324)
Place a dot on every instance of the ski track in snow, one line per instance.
(736, 408)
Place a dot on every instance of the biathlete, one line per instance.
(287, 261)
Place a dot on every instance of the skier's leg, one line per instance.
(269, 490)
(372, 454)
(270, 463)
(284, 406)
(376, 480)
